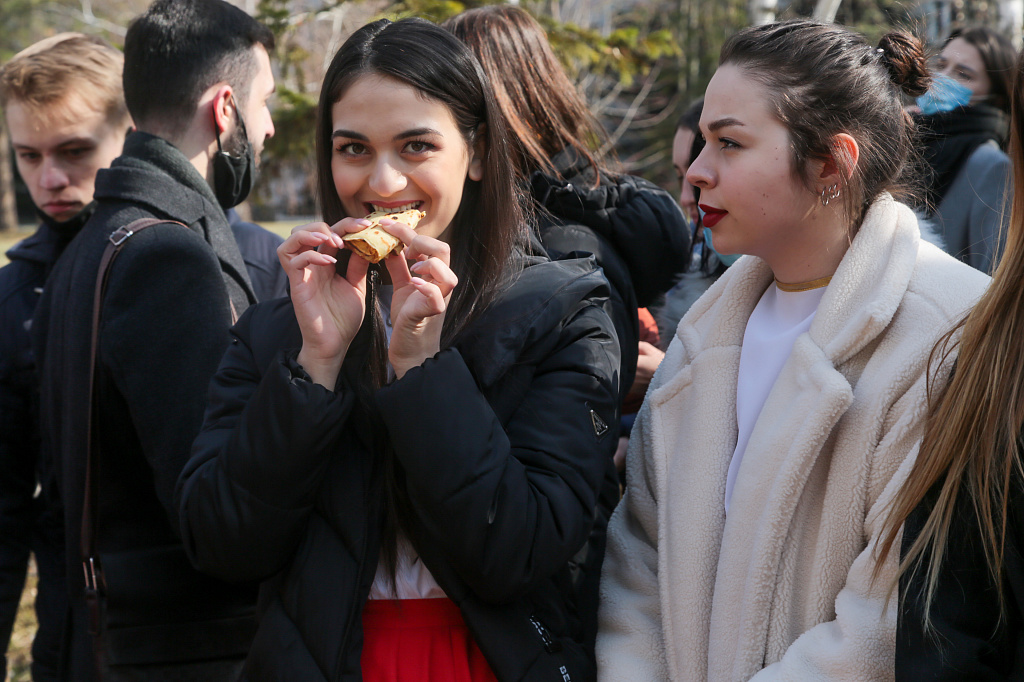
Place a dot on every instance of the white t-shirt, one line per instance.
(778, 319)
(413, 580)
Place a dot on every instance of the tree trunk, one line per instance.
(762, 11)
(826, 10)
(8, 208)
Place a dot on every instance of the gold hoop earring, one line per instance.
(830, 193)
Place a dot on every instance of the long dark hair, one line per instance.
(489, 226)
(544, 111)
(488, 230)
(827, 80)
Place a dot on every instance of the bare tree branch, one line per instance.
(638, 101)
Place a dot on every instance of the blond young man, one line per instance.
(64, 109)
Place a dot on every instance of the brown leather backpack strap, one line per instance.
(90, 564)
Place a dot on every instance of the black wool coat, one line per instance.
(166, 316)
(503, 440)
(635, 229)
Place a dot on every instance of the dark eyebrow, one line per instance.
(415, 132)
(723, 123)
(350, 133)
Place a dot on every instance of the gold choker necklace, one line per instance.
(804, 286)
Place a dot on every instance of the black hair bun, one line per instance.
(904, 58)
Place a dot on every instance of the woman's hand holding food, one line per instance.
(329, 308)
(420, 298)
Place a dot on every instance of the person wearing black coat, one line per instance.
(635, 229)
(171, 296)
(427, 446)
(497, 436)
(29, 522)
(165, 321)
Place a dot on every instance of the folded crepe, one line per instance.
(373, 243)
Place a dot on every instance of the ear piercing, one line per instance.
(830, 193)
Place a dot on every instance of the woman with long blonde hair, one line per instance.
(961, 580)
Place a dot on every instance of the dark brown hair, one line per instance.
(489, 225)
(997, 54)
(179, 48)
(824, 80)
(542, 107)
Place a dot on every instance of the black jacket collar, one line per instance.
(154, 175)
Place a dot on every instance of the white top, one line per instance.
(412, 579)
(779, 318)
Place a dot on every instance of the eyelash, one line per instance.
(426, 147)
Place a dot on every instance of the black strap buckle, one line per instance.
(89, 567)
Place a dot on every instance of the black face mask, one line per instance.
(67, 229)
(233, 175)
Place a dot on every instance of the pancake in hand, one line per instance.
(373, 243)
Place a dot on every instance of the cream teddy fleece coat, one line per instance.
(781, 589)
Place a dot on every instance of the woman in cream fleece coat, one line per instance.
(773, 579)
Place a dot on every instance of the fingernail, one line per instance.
(362, 222)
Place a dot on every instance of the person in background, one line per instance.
(960, 505)
(795, 387)
(634, 228)
(258, 247)
(706, 264)
(65, 113)
(964, 128)
(408, 454)
(197, 78)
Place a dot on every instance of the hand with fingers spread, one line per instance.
(421, 296)
(329, 307)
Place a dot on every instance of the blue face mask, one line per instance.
(945, 94)
(727, 260)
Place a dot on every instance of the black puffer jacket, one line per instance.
(503, 440)
(635, 229)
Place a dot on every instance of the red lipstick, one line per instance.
(712, 215)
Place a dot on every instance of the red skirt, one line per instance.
(419, 640)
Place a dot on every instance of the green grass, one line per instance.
(19, 656)
(9, 239)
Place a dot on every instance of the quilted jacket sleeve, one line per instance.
(247, 491)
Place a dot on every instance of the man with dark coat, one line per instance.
(197, 78)
(66, 117)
